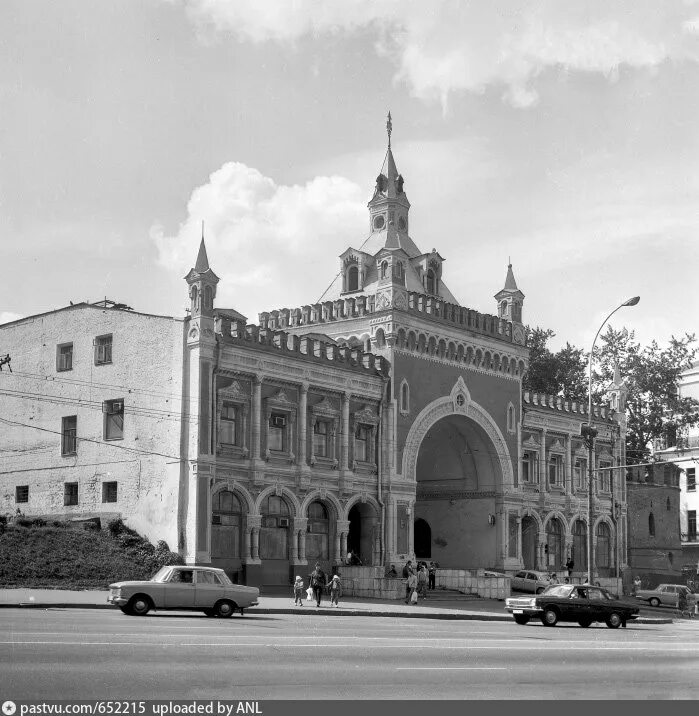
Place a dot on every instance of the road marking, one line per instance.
(452, 668)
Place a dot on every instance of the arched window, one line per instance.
(668, 504)
(554, 542)
(274, 530)
(503, 308)
(353, 279)
(226, 525)
(195, 297)
(431, 282)
(404, 397)
(399, 271)
(651, 525)
(511, 418)
(604, 542)
(384, 269)
(579, 553)
(318, 530)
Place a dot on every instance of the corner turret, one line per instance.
(510, 299)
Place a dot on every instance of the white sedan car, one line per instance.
(529, 580)
(189, 588)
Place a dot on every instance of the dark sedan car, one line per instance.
(583, 604)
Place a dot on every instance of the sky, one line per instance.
(562, 137)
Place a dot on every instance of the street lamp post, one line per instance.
(589, 432)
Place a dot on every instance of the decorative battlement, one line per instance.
(420, 304)
(305, 347)
(556, 402)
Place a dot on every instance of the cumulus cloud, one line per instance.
(446, 46)
(267, 241)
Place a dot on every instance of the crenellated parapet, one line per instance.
(556, 402)
(304, 347)
(428, 307)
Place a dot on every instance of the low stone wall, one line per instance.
(371, 582)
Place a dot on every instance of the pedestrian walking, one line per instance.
(298, 592)
(422, 581)
(317, 580)
(569, 566)
(432, 574)
(412, 589)
(682, 604)
(636, 585)
(335, 590)
(407, 572)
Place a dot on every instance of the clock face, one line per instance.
(401, 223)
(379, 222)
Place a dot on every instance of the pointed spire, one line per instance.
(389, 128)
(202, 264)
(510, 284)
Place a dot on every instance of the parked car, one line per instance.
(529, 580)
(192, 588)
(665, 594)
(583, 604)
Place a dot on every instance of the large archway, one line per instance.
(458, 474)
(530, 540)
(423, 539)
(363, 533)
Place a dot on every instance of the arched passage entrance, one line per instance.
(458, 474)
(423, 539)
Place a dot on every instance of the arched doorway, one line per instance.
(226, 532)
(318, 535)
(363, 534)
(422, 539)
(530, 537)
(603, 552)
(554, 544)
(579, 553)
(457, 457)
(274, 541)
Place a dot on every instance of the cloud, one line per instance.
(265, 239)
(445, 46)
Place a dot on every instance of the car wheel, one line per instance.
(655, 602)
(521, 619)
(139, 605)
(224, 609)
(539, 590)
(585, 623)
(549, 617)
(614, 620)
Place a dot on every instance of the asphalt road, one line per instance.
(84, 654)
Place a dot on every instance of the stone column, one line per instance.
(337, 548)
(256, 543)
(303, 422)
(344, 439)
(256, 416)
(543, 483)
(247, 554)
(519, 539)
(299, 527)
(569, 464)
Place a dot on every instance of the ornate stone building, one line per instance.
(384, 418)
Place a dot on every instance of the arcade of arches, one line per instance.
(282, 543)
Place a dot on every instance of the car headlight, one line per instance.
(116, 591)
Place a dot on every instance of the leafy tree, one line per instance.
(562, 373)
(654, 409)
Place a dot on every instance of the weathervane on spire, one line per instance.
(389, 128)
(202, 229)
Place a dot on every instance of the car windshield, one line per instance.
(559, 590)
(162, 575)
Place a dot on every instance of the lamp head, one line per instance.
(632, 301)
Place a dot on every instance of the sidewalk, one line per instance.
(435, 608)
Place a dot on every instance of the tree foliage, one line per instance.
(562, 373)
(653, 408)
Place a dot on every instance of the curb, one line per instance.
(469, 616)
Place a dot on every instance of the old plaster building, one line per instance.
(384, 418)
